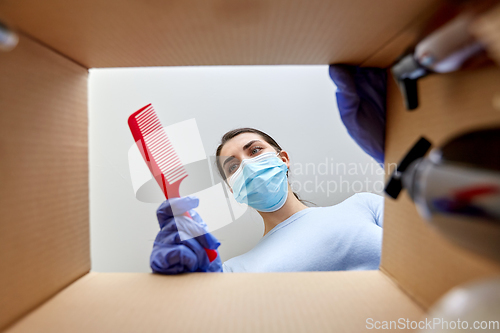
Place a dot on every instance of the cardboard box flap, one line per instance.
(423, 262)
(44, 230)
(252, 302)
(127, 33)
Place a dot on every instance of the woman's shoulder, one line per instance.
(366, 203)
(361, 200)
(364, 198)
(357, 199)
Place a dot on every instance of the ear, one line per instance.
(285, 158)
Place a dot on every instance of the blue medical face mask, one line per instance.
(260, 182)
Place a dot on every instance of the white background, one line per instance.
(294, 104)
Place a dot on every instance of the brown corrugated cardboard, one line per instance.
(487, 29)
(44, 243)
(406, 38)
(126, 33)
(416, 30)
(421, 261)
(255, 302)
(44, 230)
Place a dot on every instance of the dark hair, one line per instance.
(231, 134)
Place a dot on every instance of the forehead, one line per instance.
(235, 145)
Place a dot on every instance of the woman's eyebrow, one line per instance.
(227, 160)
(245, 147)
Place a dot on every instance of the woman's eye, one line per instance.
(232, 168)
(255, 150)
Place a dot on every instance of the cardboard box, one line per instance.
(45, 284)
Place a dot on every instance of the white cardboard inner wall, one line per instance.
(44, 230)
(240, 302)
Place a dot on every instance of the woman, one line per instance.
(346, 236)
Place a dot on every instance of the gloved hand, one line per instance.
(180, 245)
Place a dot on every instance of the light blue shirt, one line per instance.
(347, 236)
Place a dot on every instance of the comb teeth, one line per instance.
(158, 144)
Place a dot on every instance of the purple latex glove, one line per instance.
(180, 245)
(361, 101)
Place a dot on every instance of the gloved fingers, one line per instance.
(199, 251)
(174, 207)
(184, 224)
(188, 228)
(183, 229)
(180, 244)
(183, 204)
(200, 232)
(168, 226)
(177, 261)
(208, 241)
(195, 216)
(342, 76)
(215, 266)
(173, 259)
(167, 237)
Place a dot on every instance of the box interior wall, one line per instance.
(44, 230)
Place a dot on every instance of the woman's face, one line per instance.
(244, 146)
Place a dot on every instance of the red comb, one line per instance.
(159, 155)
